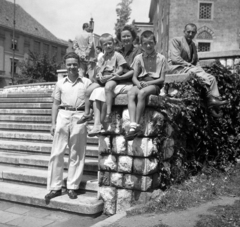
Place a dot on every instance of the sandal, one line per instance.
(108, 118)
(85, 118)
(133, 132)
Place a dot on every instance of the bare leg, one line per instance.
(87, 96)
(142, 95)
(97, 113)
(132, 96)
(103, 112)
(109, 87)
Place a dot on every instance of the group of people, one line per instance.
(138, 71)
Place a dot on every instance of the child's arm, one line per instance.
(125, 76)
(134, 78)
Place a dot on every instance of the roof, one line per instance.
(24, 22)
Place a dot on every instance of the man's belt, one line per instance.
(70, 108)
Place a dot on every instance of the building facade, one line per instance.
(218, 22)
(29, 36)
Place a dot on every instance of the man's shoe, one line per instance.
(215, 102)
(52, 194)
(72, 193)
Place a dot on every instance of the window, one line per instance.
(37, 47)
(14, 44)
(46, 49)
(204, 47)
(205, 11)
(14, 66)
(54, 52)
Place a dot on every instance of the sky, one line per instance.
(64, 18)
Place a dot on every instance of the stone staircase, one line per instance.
(25, 146)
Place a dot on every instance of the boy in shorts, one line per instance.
(111, 66)
(149, 75)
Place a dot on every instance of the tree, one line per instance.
(123, 11)
(38, 68)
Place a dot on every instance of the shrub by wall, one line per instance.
(205, 142)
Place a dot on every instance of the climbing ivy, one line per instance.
(202, 142)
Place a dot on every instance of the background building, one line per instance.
(29, 35)
(218, 22)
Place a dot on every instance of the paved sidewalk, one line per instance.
(13, 214)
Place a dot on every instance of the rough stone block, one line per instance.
(119, 145)
(148, 121)
(139, 197)
(116, 179)
(104, 178)
(104, 145)
(125, 164)
(142, 183)
(107, 162)
(115, 127)
(169, 130)
(156, 180)
(145, 166)
(142, 147)
(124, 199)
(168, 148)
(109, 196)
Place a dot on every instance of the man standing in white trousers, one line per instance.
(67, 110)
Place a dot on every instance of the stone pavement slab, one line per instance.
(16, 210)
(5, 205)
(6, 217)
(26, 221)
(39, 217)
(37, 212)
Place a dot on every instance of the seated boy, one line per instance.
(111, 66)
(149, 75)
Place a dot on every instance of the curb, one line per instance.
(110, 220)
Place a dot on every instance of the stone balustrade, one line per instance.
(28, 88)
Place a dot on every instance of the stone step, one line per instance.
(26, 105)
(26, 100)
(86, 203)
(26, 95)
(26, 118)
(41, 161)
(36, 136)
(35, 148)
(25, 126)
(39, 177)
(26, 111)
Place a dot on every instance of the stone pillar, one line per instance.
(129, 170)
(61, 73)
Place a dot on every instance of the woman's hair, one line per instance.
(129, 28)
(99, 48)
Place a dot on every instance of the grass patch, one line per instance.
(227, 216)
(199, 189)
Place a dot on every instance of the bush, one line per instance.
(207, 142)
(38, 68)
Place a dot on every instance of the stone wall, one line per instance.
(224, 25)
